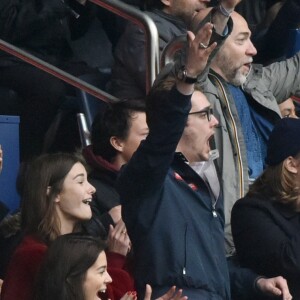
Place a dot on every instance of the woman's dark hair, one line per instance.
(43, 181)
(115, 121)
(278, 184)
(64, 268)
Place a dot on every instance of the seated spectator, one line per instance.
(42, 28)
(75, 267)
(115, 136)
(129, 70)
(288, 109)
(265, 223)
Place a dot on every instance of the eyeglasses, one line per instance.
(208, 112)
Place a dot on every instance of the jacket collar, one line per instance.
(97, 162)
(286, 210)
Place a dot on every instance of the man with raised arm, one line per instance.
(173, 217)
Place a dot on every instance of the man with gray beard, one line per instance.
(245, 100)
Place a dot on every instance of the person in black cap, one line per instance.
(266, 222)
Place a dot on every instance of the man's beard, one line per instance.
(233, 74)
(238, 79)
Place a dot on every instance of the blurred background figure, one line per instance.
(288, 109)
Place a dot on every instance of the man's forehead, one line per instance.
(240, 25)
(199, 100)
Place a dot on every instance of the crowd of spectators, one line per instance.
(188, 192)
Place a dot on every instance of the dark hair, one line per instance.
(152, 4)
(278, 184)
(64, 268)
(44, 181)
(115, 121)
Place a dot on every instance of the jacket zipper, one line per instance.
(215, 215)
(185, 241)
(240, 163)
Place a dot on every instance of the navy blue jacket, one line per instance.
(176, 238)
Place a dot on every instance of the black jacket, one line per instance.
(267, 239)
(42, 27)
(129, 70)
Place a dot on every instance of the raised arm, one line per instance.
(167, 111)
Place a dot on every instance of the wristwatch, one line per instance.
(182, 76)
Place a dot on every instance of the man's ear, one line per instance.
(166, 2)
(290, 164)
(116, 143)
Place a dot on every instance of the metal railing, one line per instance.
(136, 16)
(129, 13)
(44, 66)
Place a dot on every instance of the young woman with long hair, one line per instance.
(75, 268)
(55, 200)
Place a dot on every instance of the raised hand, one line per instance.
(198, 50)
(197, 54)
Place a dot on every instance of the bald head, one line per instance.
(238, 21)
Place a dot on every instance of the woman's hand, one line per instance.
(131, 295)
(171, 294)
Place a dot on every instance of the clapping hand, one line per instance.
(118, 240)
(171, 294)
